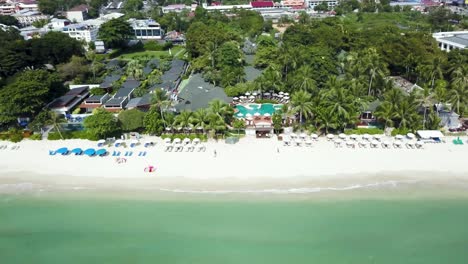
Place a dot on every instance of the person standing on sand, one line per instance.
(277, 150)
(214, 152)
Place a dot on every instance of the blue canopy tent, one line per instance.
(77, 151)
(63, 151)
(90, 152)
(101, 152)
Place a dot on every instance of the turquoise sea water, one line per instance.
(99, 230)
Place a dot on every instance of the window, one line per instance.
(138, 32)
(143, 33)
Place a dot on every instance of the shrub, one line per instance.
(153, 46)
(36, 137)
(361, 131)
(16, 137)
(400, 131)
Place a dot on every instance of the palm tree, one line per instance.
(394, 97)
(424, 98)
(211, 49)
(201, 119)
(54, 120)
(386, 113)
(301, 102)
(373, 65)
(343, 105)
(160, 100)
(326, 118)
(458, 94)
(134, 69)
(184, 119)
(222, 110)
(154, 77)
(304, 79)
(238, 124)
(216, 123)
(406, 114)
(434, 70)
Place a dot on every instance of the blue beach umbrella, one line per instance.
(62, 151)
(77, 151)
(90, 152)
(101, 152)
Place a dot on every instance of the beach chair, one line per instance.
(116, 153)
(52, 152)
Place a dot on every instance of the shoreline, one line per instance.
(252, 167)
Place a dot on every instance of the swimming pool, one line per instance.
(252, 109)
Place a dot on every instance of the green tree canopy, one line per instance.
(101, 124)
(115, 33)
(131, 120)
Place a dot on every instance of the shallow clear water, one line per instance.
(262, 110)
(100, 230)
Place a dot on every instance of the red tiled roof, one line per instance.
(260, 4)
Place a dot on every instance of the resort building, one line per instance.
(122, 96)
(448, 41)
(313, 3)
(141, 103)
(78, 13)
(176, 8)
(65, 104)
(262, 4)
(57, 24)
(27, 17)
(294, 4)
(81, 32)
(94, 101)
(172, 78)
(146, 29)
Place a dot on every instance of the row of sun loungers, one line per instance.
(12, 147)
(377, 144)
(188, 148)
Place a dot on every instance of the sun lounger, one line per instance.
(116, 153)
(52, 152)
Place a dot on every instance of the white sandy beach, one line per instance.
(249, 161)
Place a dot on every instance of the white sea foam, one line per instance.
(294, 190)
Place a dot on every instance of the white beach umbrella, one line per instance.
(179, 128)
(248, 115)
(286, 94)
(286, 97)
(249, 118)
(365, 136)
(400, 137)
(363, 142)
(257, 114)
(247, 94)
(196, 140)
(286, 139)
(386, 143)
(235, 98)
(149, 142)
(374, 142)
(251, 97)
(314, 136)
(281, 93)
(419, 144)
(378, 137)
(266, 114)
(342, 136)
(308, 141)
(353, 136)
(177, 140)
(398, 143)
(303, 135)
(410, 135)
(330, 136)
(186, 140)
(242, 97)
(168, 128)
(134, 141)
(254, 94)
(293, 135)
(101, 141)
(118, 141)
(239, 114)
(167, 140)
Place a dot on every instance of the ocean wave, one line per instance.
(303, 190)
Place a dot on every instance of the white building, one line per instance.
(81, 32)
(176, 8)
(7, 9)
(452, 40)
(146, 29)
(97, 22)
(27, 17)
(56, 24)
(78, 13)
(313, 3)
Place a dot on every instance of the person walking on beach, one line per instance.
(277, 150)
(214, 152)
